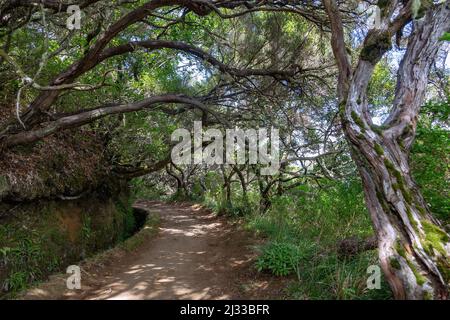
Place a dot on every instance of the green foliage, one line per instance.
(86, 229)
(445, 37)
(24, 258)
(16, 281)
(280, 258)
(141, 188)
(435, 237)
(382, 81)
(302, 226)
(127, 219)
(430, 158)
(237, 208)
(215, 198)
(302, 234)
(331, 277)
(52, 235)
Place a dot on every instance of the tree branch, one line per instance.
(128, 173)
(197, 52)
(338, 45)
(413, 72)
(82, 118)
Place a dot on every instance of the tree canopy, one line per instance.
(358, 90)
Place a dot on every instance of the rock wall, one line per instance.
(42, 237)
(60, 166)
(59, 203)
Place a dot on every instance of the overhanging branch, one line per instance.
(82, 118)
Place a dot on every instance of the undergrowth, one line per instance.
(302, 235)
(38, 245)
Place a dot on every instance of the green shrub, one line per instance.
(280, 258)
(430, 158)
(16, 281)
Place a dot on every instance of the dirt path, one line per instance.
(195, 255)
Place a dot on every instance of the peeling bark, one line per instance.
(414, 249)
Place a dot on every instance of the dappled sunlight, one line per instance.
(165, 280)
(180, 263)
(179, 231)
(195, 255)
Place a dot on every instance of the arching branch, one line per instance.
(82, 118)
(197, 52)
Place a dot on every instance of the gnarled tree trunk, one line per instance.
(414, 250)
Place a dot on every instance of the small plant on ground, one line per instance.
(279, 258)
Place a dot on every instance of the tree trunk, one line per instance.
(228, 192)
(243, 183)
(413, 248)
(182, 191)
(227, 186)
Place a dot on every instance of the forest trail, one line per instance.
(195, 255)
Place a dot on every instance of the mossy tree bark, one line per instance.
(414, 250)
